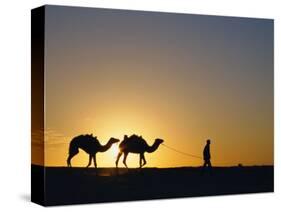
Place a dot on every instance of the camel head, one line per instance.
(113, 140)
(159, 141)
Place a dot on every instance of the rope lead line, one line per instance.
(183, 153)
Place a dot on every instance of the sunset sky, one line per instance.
(182, 78)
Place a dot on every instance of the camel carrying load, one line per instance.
(90, 144)
(136, 144)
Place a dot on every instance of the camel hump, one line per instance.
(85, 138)
(136, 139)
(134, 136)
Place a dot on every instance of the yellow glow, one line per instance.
(114, 150)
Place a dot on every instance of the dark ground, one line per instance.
(81, 185)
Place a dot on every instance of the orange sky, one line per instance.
(182, 78)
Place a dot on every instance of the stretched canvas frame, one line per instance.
(211, 78)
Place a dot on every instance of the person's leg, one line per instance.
(205, 164)
(203, 167)
(210, 166)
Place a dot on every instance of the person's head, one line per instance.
(208, 141)
(125, 137)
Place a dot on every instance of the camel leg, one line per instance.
(117, 159)
(90, 160)
(95, 161)
(125, 158)
(70, 156)
(143, 158)
(140, 161)
(69, 161)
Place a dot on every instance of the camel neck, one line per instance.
(104, 148)
(152, 148)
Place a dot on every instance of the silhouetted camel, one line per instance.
(136, 144)
(90, 145)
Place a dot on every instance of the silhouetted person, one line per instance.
(207, 156)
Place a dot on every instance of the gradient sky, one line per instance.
(183, 78)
